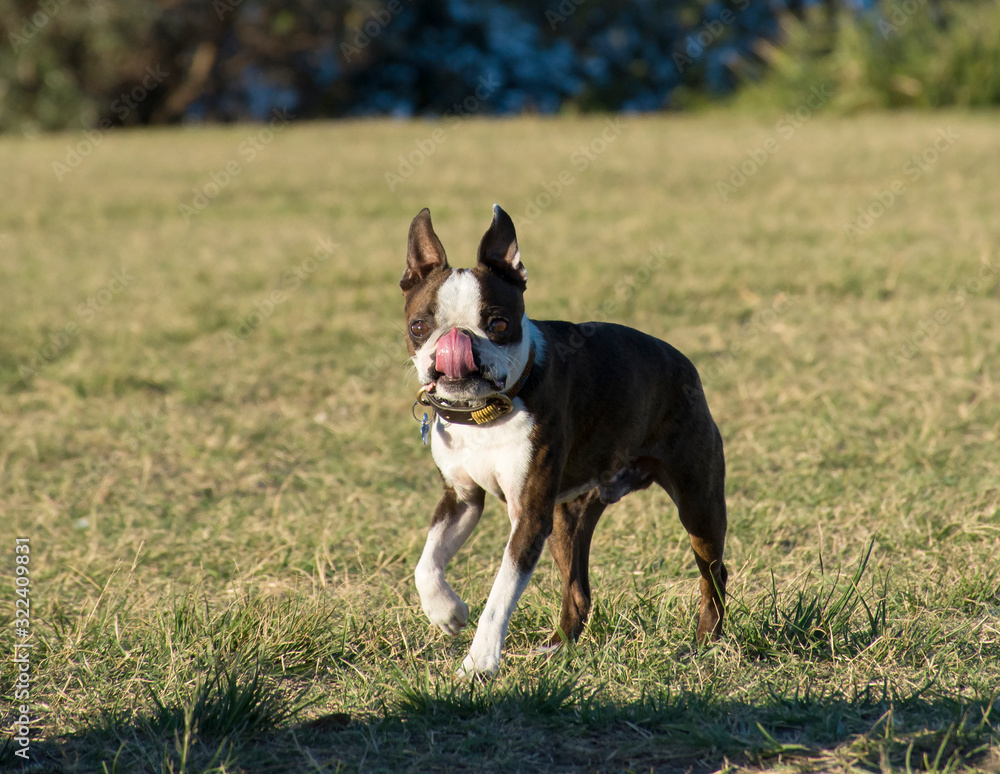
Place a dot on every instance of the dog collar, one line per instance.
(488, 410)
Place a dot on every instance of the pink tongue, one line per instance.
(454, 355)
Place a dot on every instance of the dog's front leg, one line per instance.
(531, 524)
(455, 517)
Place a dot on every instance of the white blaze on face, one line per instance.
(460, 302)
(459, 305)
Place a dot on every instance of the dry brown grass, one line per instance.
(197, 499)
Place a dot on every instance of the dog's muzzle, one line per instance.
(480, 412)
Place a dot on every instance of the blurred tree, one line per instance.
(72, 63)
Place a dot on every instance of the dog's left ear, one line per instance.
(498, 251)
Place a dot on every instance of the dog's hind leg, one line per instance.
(706, 523)
(454, 519)
(696, 484)
(572, 529)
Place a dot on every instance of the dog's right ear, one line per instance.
(424, 252)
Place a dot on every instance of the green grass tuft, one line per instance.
(827, 620)
(223, 702)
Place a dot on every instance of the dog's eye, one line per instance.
(419, 329)
(499, 325)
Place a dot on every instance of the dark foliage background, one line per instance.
(72, 63)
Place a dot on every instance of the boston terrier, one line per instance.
(558, 421)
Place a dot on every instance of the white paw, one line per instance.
(472, 667)
(446, 611)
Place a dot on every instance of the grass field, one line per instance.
(205, 435)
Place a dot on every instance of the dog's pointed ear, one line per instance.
(424, 251)
(498, 251)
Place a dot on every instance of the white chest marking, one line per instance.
(496, 456)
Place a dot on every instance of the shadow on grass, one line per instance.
(234, 718)
(552, 725)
